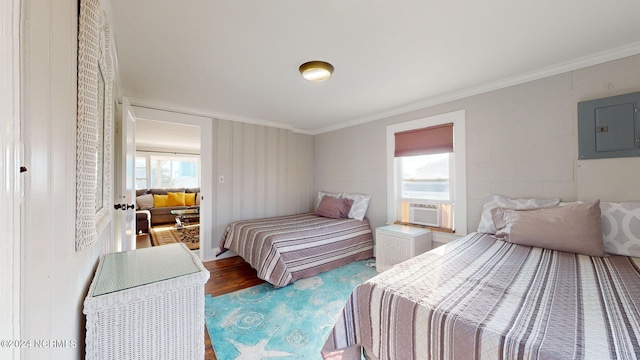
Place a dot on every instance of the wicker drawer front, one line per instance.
(396, 243)
(162, 319)
(394, 250)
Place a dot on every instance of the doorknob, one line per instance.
(124, 206)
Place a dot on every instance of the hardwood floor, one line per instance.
(143, 241)
(227, 275)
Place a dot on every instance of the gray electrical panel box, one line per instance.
(609, 127)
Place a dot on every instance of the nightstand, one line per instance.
(397, 243)
(146, 304)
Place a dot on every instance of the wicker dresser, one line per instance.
(147, 304)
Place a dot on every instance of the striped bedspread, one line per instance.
(287, 248)
(481, 298)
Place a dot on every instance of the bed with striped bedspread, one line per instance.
(482, 298)
(287, 248)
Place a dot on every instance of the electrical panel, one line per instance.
(609, 127)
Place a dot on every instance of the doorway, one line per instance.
(167, 144)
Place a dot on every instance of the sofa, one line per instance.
(154, 206)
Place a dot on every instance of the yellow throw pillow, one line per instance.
(189, 199)
(160, 200)
(175, 199)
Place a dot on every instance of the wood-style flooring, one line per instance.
(227, 275)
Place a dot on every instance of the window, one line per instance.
(426, 177)
(157, 170)
(426, 174)
(142, 178)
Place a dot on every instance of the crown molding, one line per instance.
(583, 62)
(213, 115)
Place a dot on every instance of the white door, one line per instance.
(10, 178)
(125, 183)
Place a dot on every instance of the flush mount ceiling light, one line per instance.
(316, 70)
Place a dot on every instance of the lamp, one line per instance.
(316, 70)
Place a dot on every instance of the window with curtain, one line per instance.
(425, 159)
(425, 162)
(426, 178)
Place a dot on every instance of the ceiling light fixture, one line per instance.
(316, 70)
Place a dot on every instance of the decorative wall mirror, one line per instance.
(94, 140)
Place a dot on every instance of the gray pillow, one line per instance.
(621, 227)
(165, 191)
(573, 228)
(321, 194)
(145, 202)
(493, 201)
(334, 208)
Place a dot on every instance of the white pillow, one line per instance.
(322, 194)
(359, 207)
(493, 201)
(145, 202)
(621, 227)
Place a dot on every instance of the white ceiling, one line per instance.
(238, 60)
(164, 136)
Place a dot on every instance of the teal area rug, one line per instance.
(292, 322)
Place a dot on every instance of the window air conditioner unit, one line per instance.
(424, 214)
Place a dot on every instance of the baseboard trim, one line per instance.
(225, 255)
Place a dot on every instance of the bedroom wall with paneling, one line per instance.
(521, 142)
(267, 172)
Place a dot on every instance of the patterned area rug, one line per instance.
(292, 322)
(168, 234)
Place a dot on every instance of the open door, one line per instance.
(125, 202)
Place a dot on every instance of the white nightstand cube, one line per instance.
(397, 243)
(147, 304)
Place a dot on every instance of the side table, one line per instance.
(147, 304)
(397, 243)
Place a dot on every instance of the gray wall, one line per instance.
(54, 276)
(267, 172)
(521, 142)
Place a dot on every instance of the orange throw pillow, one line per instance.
(175, 199)
(160, 200)
(189, 199)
